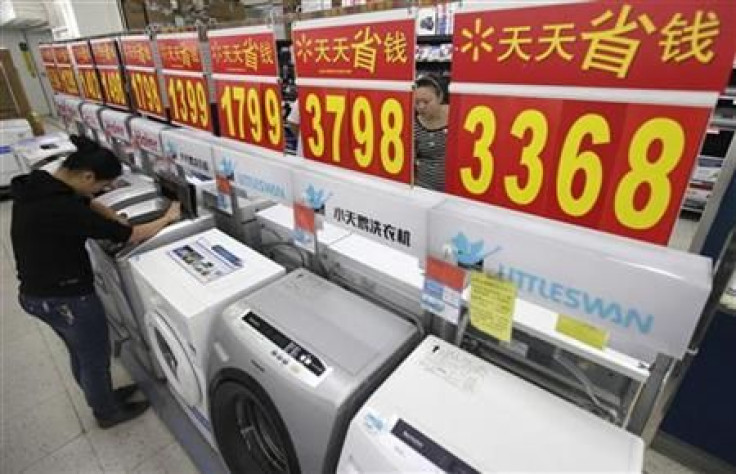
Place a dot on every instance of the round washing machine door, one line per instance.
(250, 432)
(173, 358)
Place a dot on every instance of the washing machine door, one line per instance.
(250, 432)
(173, 358)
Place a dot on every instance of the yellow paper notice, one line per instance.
(492, 305)
(582, 331)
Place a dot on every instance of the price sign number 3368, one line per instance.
(189, 102)
(251, 113)
(590, 160)
(367, 131)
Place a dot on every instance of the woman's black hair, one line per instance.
(92, 157)
(436, 83)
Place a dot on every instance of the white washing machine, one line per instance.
(37, 152)
(444, 410)
(11, 132)
(128, 189)
(184, 286)
(289, 366)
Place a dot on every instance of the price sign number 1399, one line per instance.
(614, 166)
(189, 101)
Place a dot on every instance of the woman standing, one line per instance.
(430, 132)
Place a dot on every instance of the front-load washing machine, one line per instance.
(444, 410)
(184, 286)
(289, 366)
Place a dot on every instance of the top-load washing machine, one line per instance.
(128, 189)
(289, 366)
(444, 410)
(184, 286)
(40, 152)
(11, 131)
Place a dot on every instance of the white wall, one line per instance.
(34, 90)
(97, 17)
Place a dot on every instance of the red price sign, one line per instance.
(61, 55)
(246, 85)
(251, 112)
(137, 51)
(355, 102)
(379, 48)
(146, 92)
(608, 155)
(90, 84)
(47, 54)
(105, 52)
(112, 82)
(180, 52)
(82, 54)
(367, 131)
(68, 80)
(54, 78)
(609, 166)
(189, 102)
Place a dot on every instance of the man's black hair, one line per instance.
(92, 157)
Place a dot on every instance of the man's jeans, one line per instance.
(80, 322)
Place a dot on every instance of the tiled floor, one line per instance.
(46, 427)
(45, 424)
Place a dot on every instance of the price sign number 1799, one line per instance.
(251, 113)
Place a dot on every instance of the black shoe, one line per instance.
(122, 394)
(127, 412)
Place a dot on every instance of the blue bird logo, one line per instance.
(170, 148)
(467, 253)
(227, 167)
(314, 198)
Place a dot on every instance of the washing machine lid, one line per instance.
(173, 358)
(329, 321)
(282, 217)
(203, 271)
(490, 419)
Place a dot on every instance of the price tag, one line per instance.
(189, 102)
(112, 83)
(91, 84)
(582, 331)
(68, 80)
(492, 304)
(146, 92)
(250, 112)
(304, 227)
(54, 78)
(443, 286)
(377, 125)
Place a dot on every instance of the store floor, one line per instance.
(45, 424)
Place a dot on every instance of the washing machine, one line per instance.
(290, 365)
(444, 410)
(11, 131)
(276, 236)
(128, 189)
(38, 152)
(107, 281)
(184, 286)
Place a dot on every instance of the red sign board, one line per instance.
(247, 89)
(140, 66)
(82, 54)
(47, 54)
(180, 52)
(634, 44)
(49, 62)
(113, 86)
(246, 51)
(608, 156)
(363, 125)
(137, 51)
(105, 52)
(61, 55)
(189, 100)
(380, 48)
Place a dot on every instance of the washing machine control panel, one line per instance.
(290, 352)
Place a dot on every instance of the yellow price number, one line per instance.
(112, 81)
(146, 92)
(69, 81)
(581, 165)
(189, 102)
(91, 84)
(251, 113)
(357, 131)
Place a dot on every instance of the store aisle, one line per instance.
(45, 424)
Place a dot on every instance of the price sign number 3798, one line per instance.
(367, 131)
(617, 167)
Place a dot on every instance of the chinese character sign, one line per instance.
(185, 82)
(632, 44)
(140, 67)
(65, 70)
(247, 88)
(355, 81)
(597, 150)
(382, 47)
(105, 53)
(88, 78)
(49, 63)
